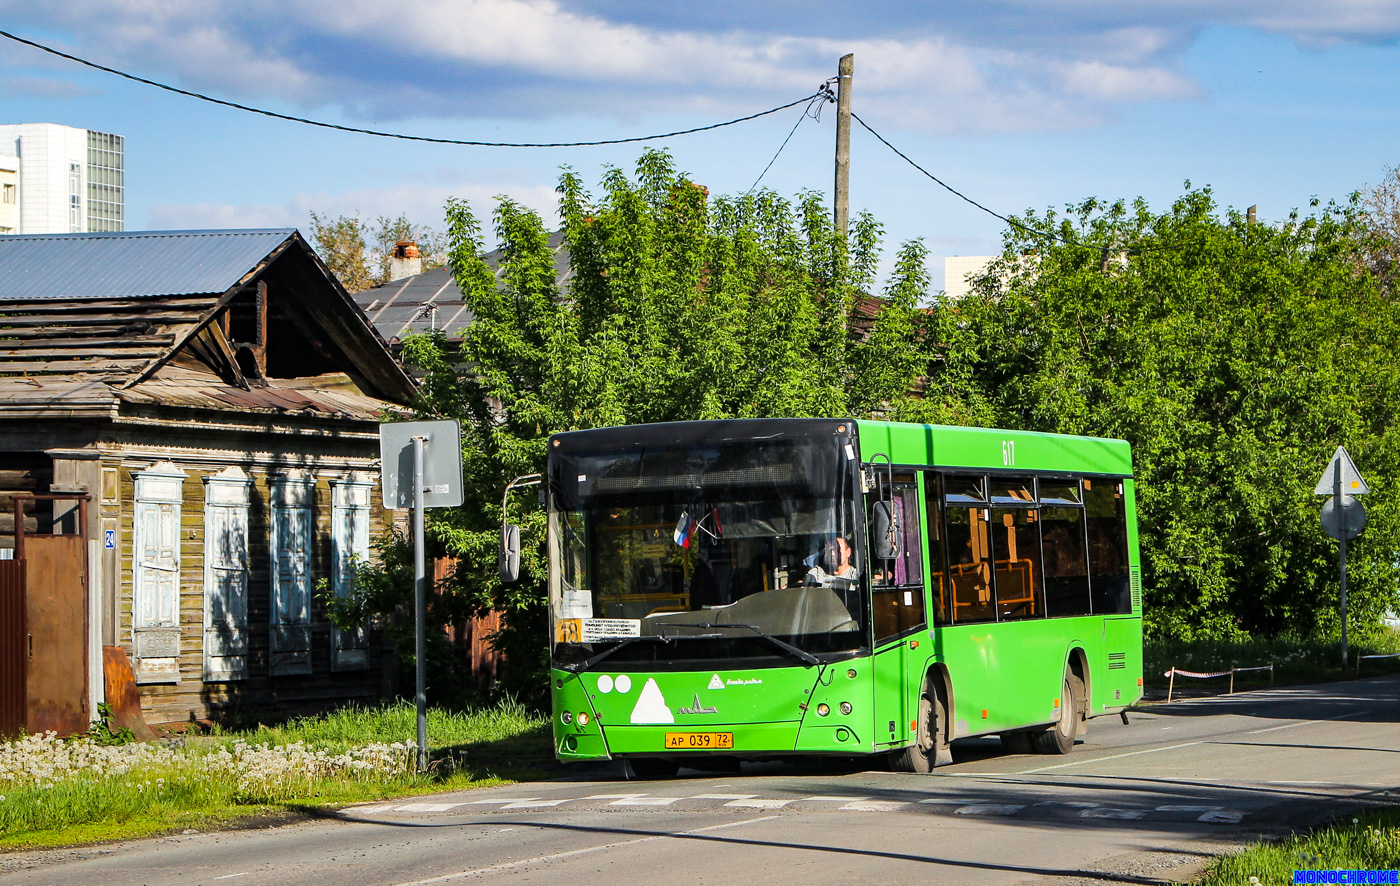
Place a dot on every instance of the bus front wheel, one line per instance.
(1059, 739)
(930, 748)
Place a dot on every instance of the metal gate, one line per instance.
(55, 621)
(13, 649)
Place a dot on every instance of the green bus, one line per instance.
(771, 588)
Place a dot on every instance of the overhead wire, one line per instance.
(397, 135)
(822, 95)
(813, 110)
(949, 188)
(1010, 220)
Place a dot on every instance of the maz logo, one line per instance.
(697, 708)
(1008, 453)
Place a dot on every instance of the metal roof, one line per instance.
(420, 303)
(432, 301)
(132, 264)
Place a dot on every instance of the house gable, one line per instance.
(267, 310)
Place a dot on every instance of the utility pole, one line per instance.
(843, 143)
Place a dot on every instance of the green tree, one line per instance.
(341, 244)
(1379, 231)
(1234, 357)
(359, 257)
(680, 306)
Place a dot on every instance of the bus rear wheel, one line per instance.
(1016, 742)
(1059, 739)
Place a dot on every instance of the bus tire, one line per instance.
(1059, 739)
(930, 747)
(1017, 742)
(650, 768)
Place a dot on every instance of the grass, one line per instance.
(65, 792)
(1367, 841)
(1295, 660)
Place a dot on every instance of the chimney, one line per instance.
(405, 261)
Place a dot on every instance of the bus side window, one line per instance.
(897, 585)
(1066, 562)
(970, 564)
(1107, 518)
(1016, 542)
(937, 553)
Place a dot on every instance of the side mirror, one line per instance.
(884, 531)
(508, 560)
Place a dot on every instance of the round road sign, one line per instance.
(1353, 511)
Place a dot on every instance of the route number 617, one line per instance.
(1008, 453)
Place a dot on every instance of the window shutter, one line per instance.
(156, 579)
(292, 496)
(226, 496)
(350, 499)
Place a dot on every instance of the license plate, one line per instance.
(699, 741)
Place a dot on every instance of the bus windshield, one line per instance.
(723, 550)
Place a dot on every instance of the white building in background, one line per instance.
(9, 194)
(65, 180)
(956, 270)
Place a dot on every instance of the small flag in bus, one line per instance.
(685, 528)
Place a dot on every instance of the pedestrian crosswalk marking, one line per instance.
(1222, 816)
(1115, 814)
(989, 809)
(1205, 813)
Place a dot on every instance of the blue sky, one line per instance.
(1017, 103)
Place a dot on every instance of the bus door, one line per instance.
(897, 609)
(1110, 583)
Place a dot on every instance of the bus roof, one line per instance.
(993, 449)
(904, 444)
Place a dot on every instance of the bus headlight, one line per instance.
(823, 709)
(583, 718)
(567, 717)
(846, 708)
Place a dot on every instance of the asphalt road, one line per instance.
(1132, 804)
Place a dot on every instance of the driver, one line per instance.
(836, 558)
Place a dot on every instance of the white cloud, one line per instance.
(42, 87)
(538, 59)
(1116, 83)
(421, 203)
(1001, 65)
(1326, 23)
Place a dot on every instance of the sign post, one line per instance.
(1343, 517)
(421, 467)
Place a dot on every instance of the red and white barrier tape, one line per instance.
(1181, 673)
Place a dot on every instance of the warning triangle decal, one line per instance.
(716, 682)
(651, 706)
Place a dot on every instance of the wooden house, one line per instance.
(188, 456)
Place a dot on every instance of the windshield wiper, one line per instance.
(591, 661)
(803, 655)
